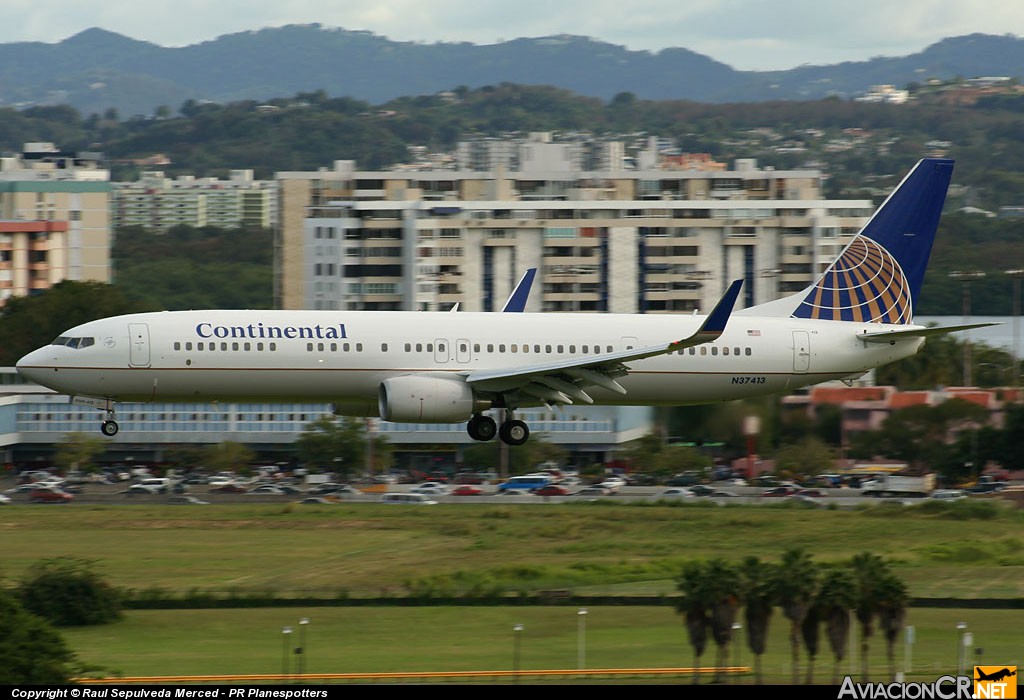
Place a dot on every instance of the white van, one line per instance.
(408, 499)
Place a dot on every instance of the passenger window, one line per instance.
(224, 347)
(501, 348)
(344, 347)
(259, 347)
(748, 352)
(547, 348)
(490, 347)
(560, 349)
(441, 347)
(419, 347)
(476, 347)
(334, 347)
(572, 349)
(309, 347)
(383, 347)
(408, 347)
(234, 346)
(725, 350)
(703, 351)
(247, 347)
(273, 346)
(514, 347)
(320, 347)
(177, 346)
(188, 346)
(714, 351)
(359, 347)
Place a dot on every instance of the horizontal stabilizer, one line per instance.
(888, 336)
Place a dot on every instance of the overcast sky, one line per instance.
(745, 34)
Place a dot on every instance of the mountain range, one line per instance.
(98, 70)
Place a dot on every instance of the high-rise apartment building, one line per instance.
(652, 232)
(158, 203)
(54, 219)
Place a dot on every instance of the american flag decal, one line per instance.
(865, 284)
(753, 332)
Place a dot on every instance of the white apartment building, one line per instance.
(158, 203)
(657, 237)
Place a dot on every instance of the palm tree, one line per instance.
(835, 599)
(724, 599)
(796, 580)
(892, 610)
(758, 588)
(868, 572)
(810, 630)
(694, 605)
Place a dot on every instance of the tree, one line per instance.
(810, 457)
(758, 585)
(892, 610)
(341, 445)
(228, 456)
(835, 598)
(796, 581)
(67, 592)
(27, 323)
(810, 630)
(33, 652)
(724, 598)
(694, 605)
(77, 450)
(872, 591)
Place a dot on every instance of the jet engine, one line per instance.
(426, 399)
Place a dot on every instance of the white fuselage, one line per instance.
(343, 356)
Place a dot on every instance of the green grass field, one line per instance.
(390, 639)
(368, 550)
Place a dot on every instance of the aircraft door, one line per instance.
(440, 351)
(801, 351)
(139, 336)
(462, 353)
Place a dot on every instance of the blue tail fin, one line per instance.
(879, 274)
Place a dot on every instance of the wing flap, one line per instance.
(563, 380)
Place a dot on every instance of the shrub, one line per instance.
(67, 592)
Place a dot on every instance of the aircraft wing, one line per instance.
(566, 381)
(888, 336)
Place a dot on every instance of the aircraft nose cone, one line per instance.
(30, 366)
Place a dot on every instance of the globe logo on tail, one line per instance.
(865, 284)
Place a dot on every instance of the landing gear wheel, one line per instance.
(482, 428)
(514, 432)
(109, 428)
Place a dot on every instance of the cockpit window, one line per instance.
(74, 342)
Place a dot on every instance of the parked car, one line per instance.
(948, 495)
(228, 488)
(675, 492)
(266, 490)
(467, 490)
(150, 486)
(431, 490)
(514, 492)
(186, 501)
(551, 490)
(320, 500)
(4, 500)
(593, 492)
(50, 494)
(778, 492)
(416, 499)
(811, 493)
(684, 479)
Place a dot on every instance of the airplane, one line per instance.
(995, 675)
(441, 367)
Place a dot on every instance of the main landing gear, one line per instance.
(512, 432)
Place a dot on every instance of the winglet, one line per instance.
(516, 302)
(714, 324)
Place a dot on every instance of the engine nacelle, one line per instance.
(427, 399)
